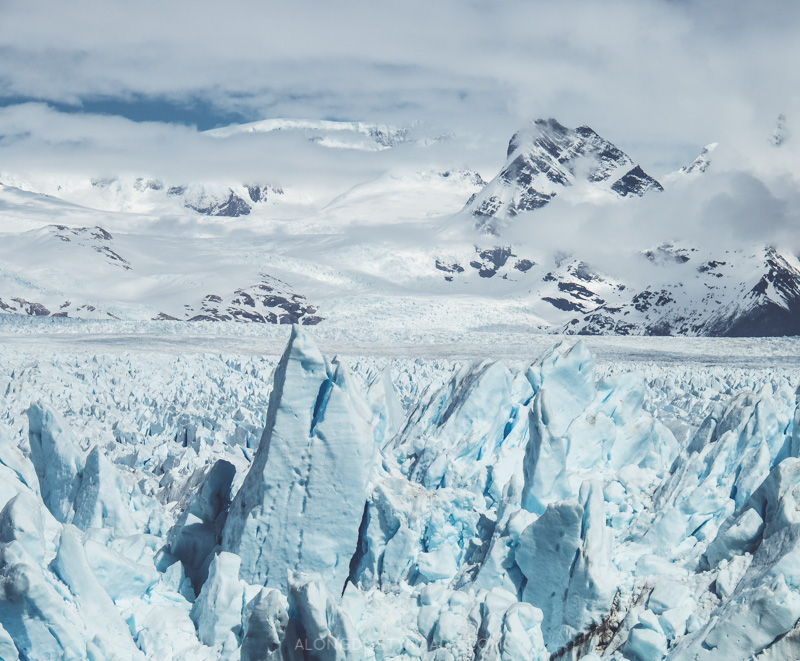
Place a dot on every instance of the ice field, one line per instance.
(224, 494)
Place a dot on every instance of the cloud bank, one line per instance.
(657, 76)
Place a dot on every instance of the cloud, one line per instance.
(717, 211)
(40, 144)
(658, 77)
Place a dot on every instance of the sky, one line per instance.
(107, 86)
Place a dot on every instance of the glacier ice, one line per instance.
(264, 627)
(565, 557)
(58, 460)
(197, 531)
(320, 629)
(105, 628)
(217, 611)
(102, 498)
(301, 503)
(553, 508)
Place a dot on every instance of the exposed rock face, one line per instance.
(696, 292)
(209, 204)
(635, 182)
(702, 162)
(771, 307)
(781, 133)
(488, 262)
(267, 302)
(208, 199)
(543, 159)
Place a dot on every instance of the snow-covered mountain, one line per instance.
(174, 490)
(781, 133)
(687, 291)
(543, 159)
(86, 272)
(396, 252)
(761, 298)
(148, 195)
(702, 162)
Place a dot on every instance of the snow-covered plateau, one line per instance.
(198, 491)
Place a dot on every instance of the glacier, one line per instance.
(249, 507)
(301, 503)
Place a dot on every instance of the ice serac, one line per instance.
(565, 557)
(509, 630)
(105, 629)
(8, 650)
(794, 449)
(217, 612)
(301, 503)
(319, 630)
(763, 605)
(264, 628)
(21, 520)
(15, 467)
(545, 458)
(454, 434)
(730, 455)
(414, 535)
(34, 614)
(121, 577)
(579, 429)
(102, 499)
(568, 372)
(197, 532)
(387, 411)
(58, 460)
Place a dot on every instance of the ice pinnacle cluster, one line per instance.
(530, 511)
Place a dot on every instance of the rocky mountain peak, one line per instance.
(702, 162)
(781, 134)
(543, 159)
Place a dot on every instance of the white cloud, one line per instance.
(36, 140)
(723, 209)
(647, 73)
(658, 78)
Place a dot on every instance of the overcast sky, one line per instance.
(659, 78)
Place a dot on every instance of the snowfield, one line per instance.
(210, 491)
